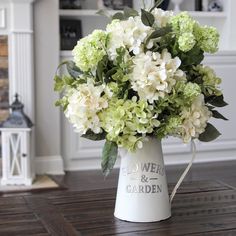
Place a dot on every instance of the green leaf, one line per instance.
(192, 57)
(59, 84)
(129, 12)
(217, 101)
(73, 70)
(101, 67)
(60, 65)
(109, 156)
(58, 103)
(198, 80)
(103, 12)
(210, 134)
(118, 16)
(63, 102)
(68, 80)
(160, 32)
(157, 4)
(210, 107)
(95, 137)
(100, 71)
(217, 115)
(147, 18)
(111, 72)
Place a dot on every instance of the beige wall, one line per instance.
(46, 41)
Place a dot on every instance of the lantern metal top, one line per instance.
(17, 118)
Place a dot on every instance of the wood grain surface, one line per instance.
(200, 208)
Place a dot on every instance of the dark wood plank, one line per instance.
(51, 217)
(22, 217)
(231, 232)
(22, 228)
(202, 206)
(107, 194)
(201, 203)
(16, 218)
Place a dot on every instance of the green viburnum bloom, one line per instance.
(189, 33)
(128, 122)
(183, 26)
(191, 91)
(90, 50)
(182, 23)
(172, 127)
(210, 81)
(208, 38)
(186, 42)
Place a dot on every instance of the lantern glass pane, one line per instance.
(15, 155)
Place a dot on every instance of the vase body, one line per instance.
(142, 193)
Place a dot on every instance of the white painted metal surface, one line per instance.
(142, 194)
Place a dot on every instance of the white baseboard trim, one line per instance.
(170, 159)
(49, 165)
(201, 157)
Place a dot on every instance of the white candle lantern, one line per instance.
(17, 163)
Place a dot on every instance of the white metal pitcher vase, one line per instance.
(142, 193)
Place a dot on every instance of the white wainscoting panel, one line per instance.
(2, 18)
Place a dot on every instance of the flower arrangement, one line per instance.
(142, 77)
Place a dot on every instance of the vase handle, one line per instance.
(193, 147)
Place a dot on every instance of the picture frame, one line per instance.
(71, 32)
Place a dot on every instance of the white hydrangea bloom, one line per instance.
(84, 104)
(116, 32)
(195, 119)
(154, 74)
(130, 33)
(162, 18)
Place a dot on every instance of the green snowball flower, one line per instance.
(182, 23)
(188, 33)
(90, 50)
(173, 125)
(186, 42)
(191, 91)
(209, 39)
(183, 27)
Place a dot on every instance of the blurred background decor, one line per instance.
(198, 5)
(205, 5)
(117, 4)
(164, 5)
(70, 4)
(215, 6)
(71, 32)
(177, 5)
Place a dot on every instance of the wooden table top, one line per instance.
(200, 208)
